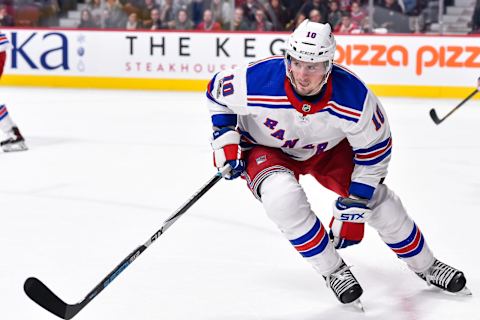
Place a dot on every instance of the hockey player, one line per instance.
(301, 113)
(15, 140)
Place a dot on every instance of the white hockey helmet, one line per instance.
(311, 42)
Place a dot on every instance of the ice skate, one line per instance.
(15, 141)
(446, 278)
(344, 285)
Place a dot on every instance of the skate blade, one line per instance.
(14, 147)
(464, 292)
(357, 304)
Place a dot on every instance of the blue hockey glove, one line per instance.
(348, 221)
(226, 150)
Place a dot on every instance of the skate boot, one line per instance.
(344, 285)
(445, 277)
(15, 141)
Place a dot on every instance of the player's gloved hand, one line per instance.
(347, 224)
(226, 150)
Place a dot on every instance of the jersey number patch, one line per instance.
(378, 118)
(227, 85)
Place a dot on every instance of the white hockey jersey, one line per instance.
(260, 102)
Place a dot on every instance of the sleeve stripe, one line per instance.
(224, 120)
(375, 147)
(375, 153)
(374, 160)
(361, 190)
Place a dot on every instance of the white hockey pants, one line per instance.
(286, 204)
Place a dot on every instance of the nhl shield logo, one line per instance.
(306, 108)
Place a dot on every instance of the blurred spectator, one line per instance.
(357, 13)
(293, 7)
(146, 9)
(50, 10)
(167, 13)
(195, 9)
(6, 20)
(409, 6)
(391, 5)
(335, 16)
(221, 10)
(315, 16)
(208, 23)
(277, 14)
(296, 22)
(182, 22)
(239, 22)
(476, 18)
(344, 5)
(261, 23)
(346, 25)
(114, 16)
(133, 22)
(27, 15)
(366, 27)
(249, 9)
(154, 23)
(97, 9)
(320, 5)
(86, 20)
(390, 17)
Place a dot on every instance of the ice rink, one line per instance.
(105, 168)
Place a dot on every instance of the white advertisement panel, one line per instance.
(451, 61)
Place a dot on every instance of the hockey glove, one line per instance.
(347, 224)
(226, 150)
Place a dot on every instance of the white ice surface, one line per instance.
(105, 168)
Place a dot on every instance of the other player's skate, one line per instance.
(15, 141)
(446, 278)
(344, 285)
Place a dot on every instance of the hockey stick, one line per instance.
(437, 120)
(42, 295)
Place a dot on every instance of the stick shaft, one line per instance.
(437, 120)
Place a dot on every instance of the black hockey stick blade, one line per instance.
(43, 296)
(433, 115)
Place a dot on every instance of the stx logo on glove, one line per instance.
(352, 216)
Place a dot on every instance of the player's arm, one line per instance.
(224, 95)
(371, 143)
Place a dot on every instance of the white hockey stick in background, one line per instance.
(42, 295)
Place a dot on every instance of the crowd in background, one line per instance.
(345, 16)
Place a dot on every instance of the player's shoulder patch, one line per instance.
(227, 87)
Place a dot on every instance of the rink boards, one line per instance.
(393, 65)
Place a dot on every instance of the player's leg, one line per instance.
(398, 230)
(271, 177)
(14, 141)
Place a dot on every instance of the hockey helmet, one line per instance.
(311, 42)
